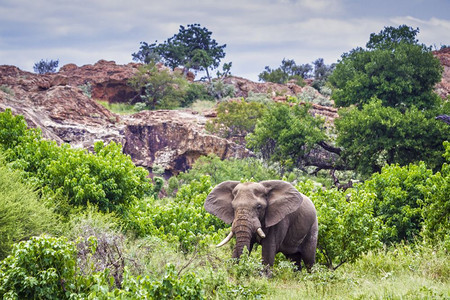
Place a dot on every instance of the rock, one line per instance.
(172, 139)
(443, 87)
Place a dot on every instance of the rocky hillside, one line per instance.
(57, 104)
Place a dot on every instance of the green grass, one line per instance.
(118, 108)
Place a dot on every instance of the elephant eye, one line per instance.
(259, 206)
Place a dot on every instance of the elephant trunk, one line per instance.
(243, 230)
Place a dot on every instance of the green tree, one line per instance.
(191, 48)
(376, 135)
(147, 53)
(286, 134)
(288, 70)
(394, 68)
(159, 89)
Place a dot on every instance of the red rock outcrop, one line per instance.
(443, 87)
(172, 139)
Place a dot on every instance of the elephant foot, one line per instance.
(266, 271)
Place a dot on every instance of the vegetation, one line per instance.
(46, 66)
(191, 48)
(106, 178)
(90, 225)
(377, 135)
(236, 118)
(394, 68)
(289, 70)
(286, 134)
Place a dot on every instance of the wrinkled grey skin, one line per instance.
(287, 218)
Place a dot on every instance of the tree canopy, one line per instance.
(394, 68)
(191, 48)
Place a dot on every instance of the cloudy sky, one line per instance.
(257, 32)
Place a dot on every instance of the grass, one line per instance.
(118, 108)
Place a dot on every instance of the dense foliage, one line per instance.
(286, 134)
(394, 68)
(106, 178)
(377, 135)
(22, 214)
(348, 228)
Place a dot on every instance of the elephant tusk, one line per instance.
(226, 240)
(261, 233)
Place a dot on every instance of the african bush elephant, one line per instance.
(272, 213)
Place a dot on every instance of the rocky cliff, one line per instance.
(56, 104)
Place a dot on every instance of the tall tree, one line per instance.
(394, 68)
(191, 48)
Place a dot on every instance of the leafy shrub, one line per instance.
(158, 89)
(219, 90)
(236, 118)
(196, 91)
(41, 268)
(184, 219)
(310, 95)
(399, 200)
(347, 228)
(106, 178)
(436, 207)
(170, 286)
(262, 98)
(22, 214)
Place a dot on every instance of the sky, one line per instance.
(257, 33)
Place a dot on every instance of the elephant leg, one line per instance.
(308, 248)
(296, 258)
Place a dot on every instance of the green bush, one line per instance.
(41, 268)
(399, 200)
(106, 178)
(22, 213)
(236, 118)
(182, 219)
(159, 89)
(347, 227)
(436, 207)
(170, 286)
(196, 91)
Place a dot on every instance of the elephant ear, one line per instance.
(282, 198)
(219, 200)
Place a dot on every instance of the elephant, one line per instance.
(271, 213)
